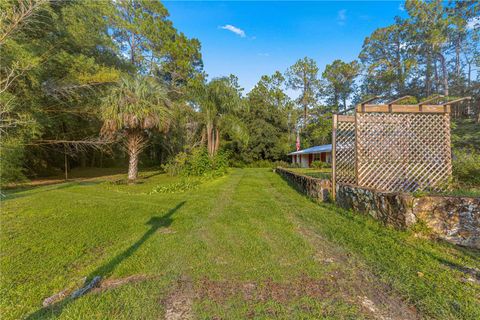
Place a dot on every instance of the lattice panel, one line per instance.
(345, 152)
(403, 151)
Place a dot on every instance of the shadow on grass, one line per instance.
(106, 269)
(21, 192)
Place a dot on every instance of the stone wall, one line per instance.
(316, 189)
(455, 219)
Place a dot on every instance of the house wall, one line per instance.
(304, 162)
(306, 159)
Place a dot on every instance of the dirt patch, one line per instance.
(267, 290)
(113, 283)
(356, 283)
(166, 231)
(178, 304)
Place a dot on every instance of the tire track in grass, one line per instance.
(355, 282)
(179, 303)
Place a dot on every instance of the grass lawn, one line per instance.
(324, 173)
(245, 245)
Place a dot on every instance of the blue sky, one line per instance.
(250, 39)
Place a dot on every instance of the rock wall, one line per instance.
(317, 189)
(455, 219)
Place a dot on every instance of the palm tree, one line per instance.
(219, 101)
(130, 111)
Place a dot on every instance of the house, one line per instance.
(307, 156)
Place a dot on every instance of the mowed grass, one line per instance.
(242, 246)
(324, 173)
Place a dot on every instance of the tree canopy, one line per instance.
(72, 70)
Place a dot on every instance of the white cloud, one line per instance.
(401, 7)
(342, 17)
(234, 29)
(473, 23)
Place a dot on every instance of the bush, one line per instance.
(181, 186)
(198, 163)
(466, 167)
(317, 164)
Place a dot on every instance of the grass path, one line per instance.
(242, 246)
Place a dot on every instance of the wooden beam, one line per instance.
(363, 103)
(343, 118)
(456, 101)
(398, 100)
(404, 108)
(431, 99)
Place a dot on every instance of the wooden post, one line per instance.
(357, 180)
(334, 148)
(448, 147)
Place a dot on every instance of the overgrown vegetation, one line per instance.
(198, 163)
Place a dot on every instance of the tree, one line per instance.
(267, 120)
(219, 102)
(388, 59)
(142, 31)
(132, 109)
(340, 77)
(429, 28)
(303, 76)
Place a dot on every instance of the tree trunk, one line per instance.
(457, 58)
(304, 116)
(135, 143)
(209, 139)
(217, 140)
(444, 74)
(428, 75)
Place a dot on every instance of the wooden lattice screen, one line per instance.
(393, 147)
(403, 151)
(344, 127)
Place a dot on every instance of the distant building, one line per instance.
(318, 153)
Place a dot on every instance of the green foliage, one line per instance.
(466, 134)
(466, 166)
(198, 163)
(138, 103)
(340, 77)
(11, 158)
(268, 121)
(183, 185)
(303, 76)
(317, 164)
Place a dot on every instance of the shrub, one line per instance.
(180, 186)
(466, 166)
(198, 163)
(317, 164)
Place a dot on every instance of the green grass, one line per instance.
(324, 173)
(241, 246)
(466, 134)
